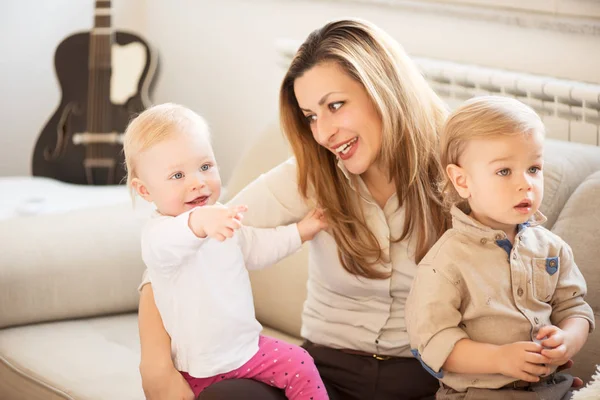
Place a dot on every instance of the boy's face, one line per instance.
(179, 173)
(502, 179)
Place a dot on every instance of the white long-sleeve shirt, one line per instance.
(202, 289)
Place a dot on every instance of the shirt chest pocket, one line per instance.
(545, 277)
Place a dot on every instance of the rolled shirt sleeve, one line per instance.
(433, 318)
(568, 298)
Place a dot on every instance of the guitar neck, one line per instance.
(101, 38)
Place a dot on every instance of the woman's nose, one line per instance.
(325, 129)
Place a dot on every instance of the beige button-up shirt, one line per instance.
(472, 284)
(342, 310)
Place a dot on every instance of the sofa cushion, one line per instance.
(279, 293)
(579, 225)
(85, 359)
(77, 264)
(567, 164)
(88, 359)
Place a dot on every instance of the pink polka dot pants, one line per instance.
(279, 364)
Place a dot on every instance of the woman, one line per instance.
(363, 126)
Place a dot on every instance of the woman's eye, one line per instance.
(336, 106)
(205, 167)
(534, 170)
(311, 118)
(178, 175)
(503, 172)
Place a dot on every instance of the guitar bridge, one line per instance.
(95, 166)
(98, 138)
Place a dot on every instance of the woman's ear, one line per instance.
(458, 177)
(141, 189)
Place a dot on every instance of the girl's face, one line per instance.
(341, 115)
(179, 173)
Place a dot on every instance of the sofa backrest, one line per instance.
(77, 264)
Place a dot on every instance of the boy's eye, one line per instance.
(177, 175)
(534, 170)
(503, 172)
(205, 167)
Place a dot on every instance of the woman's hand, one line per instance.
(165, 384)
(577, 381)
(313, 223)
(160, 379)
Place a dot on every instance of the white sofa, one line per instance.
(68, 327)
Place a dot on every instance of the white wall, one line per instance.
(218, 57)
(29, 91)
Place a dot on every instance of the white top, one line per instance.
(202, 289)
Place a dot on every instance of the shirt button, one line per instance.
(483, 241)
(514, 256)
(520, 292)
(376, 341)
(537, 321)
(498, 236)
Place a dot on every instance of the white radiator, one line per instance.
(570, 109)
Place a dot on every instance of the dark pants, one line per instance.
(346, 376)
(556, 389)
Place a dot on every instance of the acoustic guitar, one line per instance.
(105, 78)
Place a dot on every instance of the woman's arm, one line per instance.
(160, 379)
(273, 198)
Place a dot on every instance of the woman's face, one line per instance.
(341, 115)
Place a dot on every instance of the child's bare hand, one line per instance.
(522, 360)
(555, 343)
(217, 221)
(313, 223)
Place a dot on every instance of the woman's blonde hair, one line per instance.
(154, 125)
(481, 117)
(411, 115)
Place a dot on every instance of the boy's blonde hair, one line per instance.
(411, 115)
(154, 125)
(481, 117)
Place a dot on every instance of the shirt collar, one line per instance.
(462, 222)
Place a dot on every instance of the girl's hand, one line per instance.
(218, 221)
(313, 223)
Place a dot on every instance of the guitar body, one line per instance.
(57, 154)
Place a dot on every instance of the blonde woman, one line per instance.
(363, 125)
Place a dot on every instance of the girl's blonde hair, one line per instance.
(481, 117)
(154, 125)
(411, 115)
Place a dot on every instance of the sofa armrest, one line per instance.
(77, 264)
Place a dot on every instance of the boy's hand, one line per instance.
(217, 221)
(313, 223)
(556, 344)
(522, 360)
